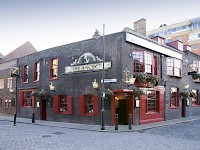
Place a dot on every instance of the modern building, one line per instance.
(187, 31)
(8, 86)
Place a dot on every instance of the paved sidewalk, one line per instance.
(121, 128)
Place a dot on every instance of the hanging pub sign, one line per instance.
(15, 72)
(87, 62)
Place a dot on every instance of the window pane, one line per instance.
(174, 97)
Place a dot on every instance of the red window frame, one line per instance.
(174, 97)
(174, 67)
(1, 83)
(26, 99)
(54, 68)
(59, 107)
(37, 71)
(7, 104)
(88, 105)
(25, 75)
(144, 61)
(195, 99)
(152, 101)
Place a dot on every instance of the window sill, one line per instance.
(25, 82)
(65, 113)
(195, 105)
(89, 114)
(27, 106)
(53, 79)
(36, 81)
(174, 107)
(152, 112)
(175, 76)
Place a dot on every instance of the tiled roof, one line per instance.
(25, 49)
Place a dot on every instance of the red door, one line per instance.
(43, 109)
(183, 107)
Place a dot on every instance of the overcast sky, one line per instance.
(50, 23)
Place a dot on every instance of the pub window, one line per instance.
(88, 105)
(9, 83)
(62, 104)
(144, 62)
(7, 103)
(195, 98)
(174, 97)
(54, 68)
(26, 99)
(37, 71)
(1, 83)
(174, 67)
(25, 76)
(152, 101)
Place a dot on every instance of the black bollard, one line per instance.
(116, 122)
(129, 122)
(33, 118)
(15, 116)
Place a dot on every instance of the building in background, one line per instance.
(8, 92)
(187, 31)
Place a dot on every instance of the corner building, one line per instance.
(56, 84)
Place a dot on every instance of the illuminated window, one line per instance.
(25, 77)
(9, 83)
(37, 71)
(54, 68)
(195, 98)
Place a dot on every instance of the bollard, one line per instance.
(33, 118)
(15, 116)
(129, 122)
(116, 122)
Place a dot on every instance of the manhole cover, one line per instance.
(58, 133)
(46, 136)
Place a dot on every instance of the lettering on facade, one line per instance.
(87, 62)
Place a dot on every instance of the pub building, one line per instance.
(57, 84)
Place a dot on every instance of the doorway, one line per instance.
(43, 109)
(183, 107)
(122, 111)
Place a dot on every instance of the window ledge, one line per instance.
(195, 105)
(53, 79)
(174, 107)
(152, 112)
(175, 76)
(36, 81)
(64, 113)
(25, 82)
(89, 114)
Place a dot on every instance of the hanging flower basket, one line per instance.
(192, 94)
(185, 94)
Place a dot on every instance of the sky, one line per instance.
(51, 23)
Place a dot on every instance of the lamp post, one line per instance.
(96, 36)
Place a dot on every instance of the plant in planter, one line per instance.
(185, 94)
(196, 76)
(192, 94)
(141, 77)
(152, 79)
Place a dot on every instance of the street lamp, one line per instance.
(96, 36)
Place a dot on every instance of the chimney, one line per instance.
(140, 26)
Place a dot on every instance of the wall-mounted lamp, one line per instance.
(186, 86)
(52, 87)
(192, 68)
(11, 90)
(95, 84)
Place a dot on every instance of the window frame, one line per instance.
(9, 83)
(144, 59)
(1, 84)
(22, 98)
(36, 72)
(83, 105)
(155, 101)
(25, 74)
(57, 104)
(195, 100)
(174, 67)
(53, 68)
(176, 101)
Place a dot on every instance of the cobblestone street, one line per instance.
(184, 136)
